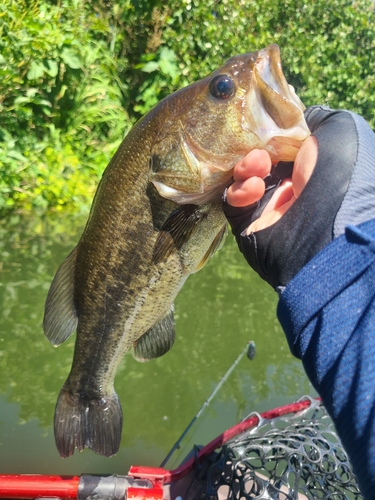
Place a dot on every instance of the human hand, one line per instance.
(281, 224)
(249, 186)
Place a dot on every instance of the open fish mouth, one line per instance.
(274, 112)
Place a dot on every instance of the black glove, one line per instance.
(340, 191)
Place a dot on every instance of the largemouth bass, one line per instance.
(156, 218)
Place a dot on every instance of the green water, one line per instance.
(217, 312)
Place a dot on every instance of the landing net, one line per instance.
(294, 456)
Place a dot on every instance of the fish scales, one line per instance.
(103, 275)
(155, 219)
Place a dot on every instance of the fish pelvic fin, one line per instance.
(87, 423)
(60, 316)
(177, 230)
(158, 340)
(216, 244)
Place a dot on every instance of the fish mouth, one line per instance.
(270, 115)
(273, 110)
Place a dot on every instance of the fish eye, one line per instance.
(222, 87)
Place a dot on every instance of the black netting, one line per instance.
(283, 458)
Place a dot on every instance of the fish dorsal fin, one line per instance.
(214, 247)
(177, 230)
(60, 316)
(157, 340)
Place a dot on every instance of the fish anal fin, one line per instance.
(87, 423)
(60, 316)
(216, 244)
(177, 230)
(157, 340)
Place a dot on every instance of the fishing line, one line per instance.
(250, 351)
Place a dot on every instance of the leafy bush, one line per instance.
(61, 105)
(327, 47)
(76, 75)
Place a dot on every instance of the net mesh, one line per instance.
(285, 458)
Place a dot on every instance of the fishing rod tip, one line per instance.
(251, 349)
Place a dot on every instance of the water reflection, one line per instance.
(217, 312)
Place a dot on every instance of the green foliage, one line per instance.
(60, 102)
(163, 75)
(76, 74)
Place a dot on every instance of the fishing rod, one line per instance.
(250, 350)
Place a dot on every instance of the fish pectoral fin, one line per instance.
(177, 230)
(60, 316)
(214, 247)
(157, 340)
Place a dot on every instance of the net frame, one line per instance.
(291, 456)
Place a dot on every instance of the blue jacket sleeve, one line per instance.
(328, 314)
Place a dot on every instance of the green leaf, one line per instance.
(168, 68)
(150, 67)
(36, 71)
(16, 155)
(21, 100)
(70, 58)
(52, 68)
(31, 92)
(167, 54)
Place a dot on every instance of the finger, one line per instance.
(243, 193)
(304, 164)
(257, 163)
(282, 199)
(271, 217)
(290, 189)
(283, 194)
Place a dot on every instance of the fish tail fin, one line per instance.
(60, 316)
(87, 423)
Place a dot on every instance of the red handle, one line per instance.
(31, 486)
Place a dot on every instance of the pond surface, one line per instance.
(218, 311)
